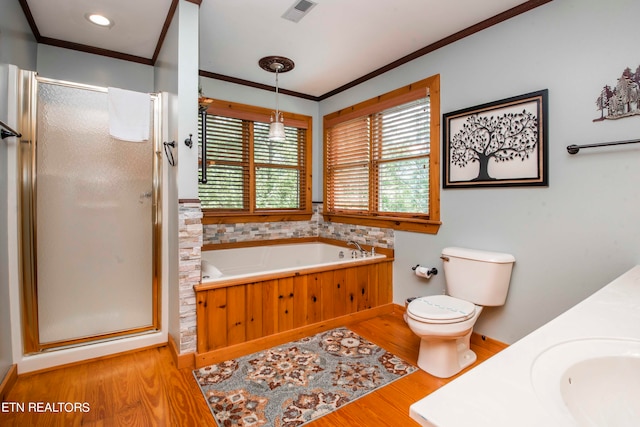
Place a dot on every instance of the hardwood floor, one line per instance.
(146, 389)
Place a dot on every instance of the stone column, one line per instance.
(190, 248)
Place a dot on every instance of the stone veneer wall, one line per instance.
(189, 247)
(316, 226)
(192, 235)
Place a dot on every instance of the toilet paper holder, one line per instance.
(432, 271)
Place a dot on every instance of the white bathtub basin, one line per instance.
(247, 262)
(591, 382)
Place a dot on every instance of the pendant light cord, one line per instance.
(277, 100)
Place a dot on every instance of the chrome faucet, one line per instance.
(363, 253)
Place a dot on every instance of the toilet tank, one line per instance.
(481, 277)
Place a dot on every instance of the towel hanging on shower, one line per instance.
(129, 114)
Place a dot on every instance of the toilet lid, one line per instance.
(441, 309)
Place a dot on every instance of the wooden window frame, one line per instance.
(259, 114)
(431, 224)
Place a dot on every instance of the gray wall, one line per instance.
(80, 67)
(17, 43)
(6, 358)
(18, 47)
(166, 81)
(582, 231)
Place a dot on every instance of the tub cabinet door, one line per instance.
(300, 298)
(255, 301)
(328, 296)
(351, 294)
(314, 298)
(338, 290)
(269, 307)
(285, 304)
(364, 275)
(211, 312)
(382, 290)
(236, 314)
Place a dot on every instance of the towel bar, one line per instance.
(573, 149)
(8, 132)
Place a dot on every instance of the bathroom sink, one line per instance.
(591, 382)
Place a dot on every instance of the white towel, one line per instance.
(129, 114)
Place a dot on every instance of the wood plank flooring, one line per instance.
(146, 389)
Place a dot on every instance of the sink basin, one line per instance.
(592, 382)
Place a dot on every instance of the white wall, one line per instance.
(582, 231)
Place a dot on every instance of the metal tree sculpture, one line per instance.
(505, 138)
(623, 100)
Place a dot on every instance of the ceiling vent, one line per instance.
(298, 10)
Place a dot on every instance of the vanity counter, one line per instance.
(500, 392)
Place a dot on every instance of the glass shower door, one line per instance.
(94, 221)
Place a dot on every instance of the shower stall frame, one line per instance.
(27, 181)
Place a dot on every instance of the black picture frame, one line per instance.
(498, 144)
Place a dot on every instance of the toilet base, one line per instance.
(445, 358)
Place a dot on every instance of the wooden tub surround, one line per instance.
(237, 315)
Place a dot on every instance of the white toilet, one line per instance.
(444, 322)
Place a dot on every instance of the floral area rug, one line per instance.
(295, 383)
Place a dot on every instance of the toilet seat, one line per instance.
(440, 309)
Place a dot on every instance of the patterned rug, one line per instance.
(297, 382)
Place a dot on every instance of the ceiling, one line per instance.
(338, 43)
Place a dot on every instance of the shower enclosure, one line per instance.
(89, 216)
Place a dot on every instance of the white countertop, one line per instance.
(499, 392)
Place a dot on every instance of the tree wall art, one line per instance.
(502, 143)
(622, 100)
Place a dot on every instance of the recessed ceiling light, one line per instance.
(98, 19)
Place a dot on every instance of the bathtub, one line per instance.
(237, 263)
(272, 293)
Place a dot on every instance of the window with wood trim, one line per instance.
(382, 160)
(243, 176)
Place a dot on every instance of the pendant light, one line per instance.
(277, 65)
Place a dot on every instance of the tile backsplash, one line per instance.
(315, 227)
